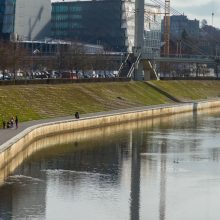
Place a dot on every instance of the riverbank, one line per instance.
(39, 104)
(187, 90)
(103, 166)
(34, 102)
(15, 141)
(30, 131)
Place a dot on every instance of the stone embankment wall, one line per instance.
(20, 143)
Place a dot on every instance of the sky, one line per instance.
(199, 9)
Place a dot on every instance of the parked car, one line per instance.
(69, 75)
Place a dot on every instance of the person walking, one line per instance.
(12, 122)
(8, 124)
(16, 121)
(4, 124)
(77, 115)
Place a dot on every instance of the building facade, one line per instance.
(95, 22)
(180, 25)
(106, 22)
(152, 27)
(52, 47)
(25, 19)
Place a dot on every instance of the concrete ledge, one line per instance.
(20, 142)
(105, 119)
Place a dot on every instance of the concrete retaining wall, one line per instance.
(19, 143)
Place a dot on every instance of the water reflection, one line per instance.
(163, 172)
(142, 170)
(9, 162)
(137, 142)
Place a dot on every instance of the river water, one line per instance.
(166, 168)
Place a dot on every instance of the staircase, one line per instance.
(127, 66)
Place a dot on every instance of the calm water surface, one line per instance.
(156, 170)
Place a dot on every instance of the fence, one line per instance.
(60, 81)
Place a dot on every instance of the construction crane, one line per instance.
(166, 34)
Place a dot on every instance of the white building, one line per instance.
(25, 19)
(152, 27)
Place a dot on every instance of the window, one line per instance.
(75, 9)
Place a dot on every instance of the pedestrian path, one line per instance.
(7, 134)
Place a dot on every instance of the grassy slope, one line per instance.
(191, 90)
(43, 101)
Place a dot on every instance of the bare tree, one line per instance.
(5, 57)
(17, 58)
(12, 57)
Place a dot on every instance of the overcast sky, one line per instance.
(199, 9)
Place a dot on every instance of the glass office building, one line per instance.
(106, 22)
(95, 22)
(7, 17)
(25, 19)
(152, 33)
(180, 24)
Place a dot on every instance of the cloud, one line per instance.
(200, 10)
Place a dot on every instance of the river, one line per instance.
(158, 169)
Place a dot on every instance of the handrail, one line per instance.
(133, 65)
(131, 71)
(122, 64)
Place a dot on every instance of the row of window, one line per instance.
(152, 43)
(65, 25)
(63, 33)
(152, 34)
(66, 8)
(63, 17)
(59, 33)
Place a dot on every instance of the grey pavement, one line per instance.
(7, 134)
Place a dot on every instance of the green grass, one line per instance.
(45, 101)
(191, 90)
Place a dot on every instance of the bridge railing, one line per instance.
(190, 56)
(122, 64)
(131, 71)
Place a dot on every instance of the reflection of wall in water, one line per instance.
(137, 142)
(6, 202)
(79, 154)
(78, 157)
(10, 159)
(21, 200)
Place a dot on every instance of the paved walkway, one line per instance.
(7, 134)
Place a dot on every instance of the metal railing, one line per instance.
(122, 64)
(131, 71)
